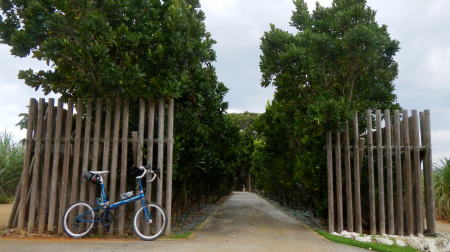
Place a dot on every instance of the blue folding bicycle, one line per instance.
(149, 221)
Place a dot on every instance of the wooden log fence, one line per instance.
(62, 143)
(382, 179)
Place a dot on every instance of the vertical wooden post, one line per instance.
(123, 164)
(169, 165)
(428, 174)
(340, 214)
(26, 164)
(66, 165)
(407, 174)
(150, 138)
(140, 139)
(114, 155)
(390, 187)
(381, 209)
(55, 168)
(14, 211)
(86, 146)
(348, 179)
(330, 182)
(135, 147)
(106, 146)
(159, 192)
(46, 171)
(398, 178)
(417, 172)
(76, 156)
(95, 146)
(356, 175)
(35, 179)
(372, 212)
(140, 153)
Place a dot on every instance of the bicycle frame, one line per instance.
(104, 204)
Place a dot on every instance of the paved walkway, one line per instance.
(246, 222)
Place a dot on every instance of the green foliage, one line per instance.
(245, 148)
(364, 245)
(441, 177)
(340, 61)
(129, 48)
(11, 161)
(135, 49)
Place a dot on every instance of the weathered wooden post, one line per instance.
(74, 195)
(114, 155)
(340, 214)
(150, 145)
(389, 182)
(348, 179)
(26, 164)
(356, 175)
(55, 168)
(106, 146)
(372, 212)
(169, 165)
(407, 174)
(417, 171)
(46, 171)
(399, 177)
(86, 146)
(123, 163)
(428, 174)
(159, 191)
(95, 146)
(381, 209)
(66, 165)
(330, 182)
(37, 153)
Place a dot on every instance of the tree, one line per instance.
(108, 48)
(245, 148)
(135, 49)
(340, 61)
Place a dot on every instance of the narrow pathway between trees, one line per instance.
(245, 222)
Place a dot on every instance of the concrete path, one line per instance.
(246, 222)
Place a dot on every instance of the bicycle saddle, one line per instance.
(98, 172)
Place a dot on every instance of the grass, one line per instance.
(5, 199)
(441, 177)
(184, 235)
(365, 245)
(11, 160)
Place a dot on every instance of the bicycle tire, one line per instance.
(68, 220)
(139, 224)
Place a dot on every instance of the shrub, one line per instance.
(442, 188)
(11, 160)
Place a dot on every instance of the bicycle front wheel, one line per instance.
(78, 220)
(150, 222)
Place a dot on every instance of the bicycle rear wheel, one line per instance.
(78, 220)
(150, 222)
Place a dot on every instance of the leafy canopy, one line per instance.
(338, 62)
(127, 48)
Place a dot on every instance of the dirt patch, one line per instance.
(5, 211)
(443, 226)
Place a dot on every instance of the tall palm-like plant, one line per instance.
(11, 160)
(442, 188)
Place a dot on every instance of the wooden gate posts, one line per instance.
(402, 152)
(62, 143)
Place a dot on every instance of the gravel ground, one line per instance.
(188, 222)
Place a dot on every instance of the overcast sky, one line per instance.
(422, 27)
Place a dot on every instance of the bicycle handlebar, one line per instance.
(147, 169)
